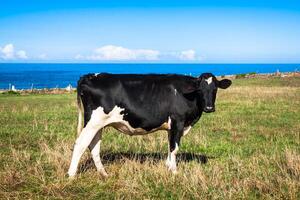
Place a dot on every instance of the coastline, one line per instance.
(70, 89)
(40, 76)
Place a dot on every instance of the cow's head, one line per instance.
(208, 87)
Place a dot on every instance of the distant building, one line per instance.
(13, 88)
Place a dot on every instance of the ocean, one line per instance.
(27, 75)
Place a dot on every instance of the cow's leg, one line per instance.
(95, 151)
(174, 136)
(96, 122)
(168, 161)
(82, 142)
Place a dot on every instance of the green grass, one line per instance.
(252, 145)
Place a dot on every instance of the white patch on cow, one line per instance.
(100, 119)
(186, 130)
(175, 91)
(209, 80)
(122, 125)
(169, 123)
(97, 121)
(117, 121)
(171, 160)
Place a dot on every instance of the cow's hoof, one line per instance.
(103, 173)
(173, 169)
(168, 163)
(171, 166)
(71, 177)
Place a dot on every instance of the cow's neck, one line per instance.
(195, 110)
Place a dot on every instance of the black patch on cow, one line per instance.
(149, 100)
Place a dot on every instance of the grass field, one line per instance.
(248, 149)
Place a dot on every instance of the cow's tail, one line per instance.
(80, 115)
(80, 110)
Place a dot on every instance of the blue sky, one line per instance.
(150, 31)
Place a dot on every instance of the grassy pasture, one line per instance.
(248, 149)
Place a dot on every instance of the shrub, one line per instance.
(10, 92)
(240, 76)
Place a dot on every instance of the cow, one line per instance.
(137, 104)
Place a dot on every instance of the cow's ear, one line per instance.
(223, 84)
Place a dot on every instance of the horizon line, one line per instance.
(151, 63)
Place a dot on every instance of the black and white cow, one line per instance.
(140, 104)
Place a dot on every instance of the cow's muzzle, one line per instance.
(209, 109)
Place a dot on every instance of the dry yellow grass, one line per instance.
(251, 145)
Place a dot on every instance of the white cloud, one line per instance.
(119, 53)
(8, 53)
(187, 55)
(79, 57)
(42, 56)
(21, 54)
(111, 52)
